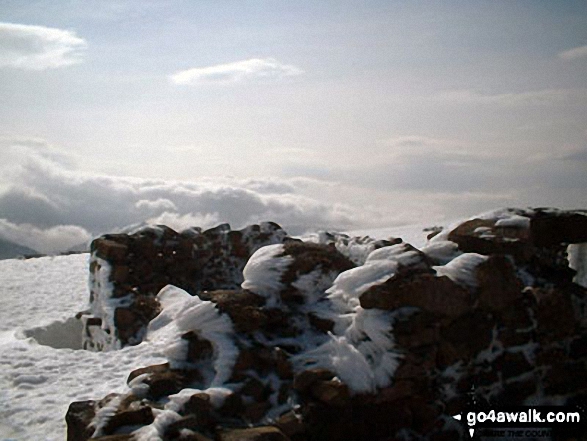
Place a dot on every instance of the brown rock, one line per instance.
(322, 324)
(554, 313)
(190, 422)
(419, 329)
(121, 437)
(401, 388)
(198, 347)
(306, 379)
(242, 306)
(119, 273)
(437, 295)
(110, 250)
(310, 256)
(263, 433)
(139, 415)
(549, 229)
(291, 424)
(499, 286)
(496, 240)
(78, 418)
(512, 364)
(466, 336)
(131, 320)
(514, 393)
(566, 377)
(156, 368)
(331, 392)
(255, 411)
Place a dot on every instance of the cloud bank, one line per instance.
(45, 199)
(239, 71)
(38, 47)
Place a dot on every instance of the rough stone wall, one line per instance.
(127, 272)
(386, 350)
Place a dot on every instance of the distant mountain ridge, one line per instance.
(11, 250)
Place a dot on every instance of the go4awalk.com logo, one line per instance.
(536, 422)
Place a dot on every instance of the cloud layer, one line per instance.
(45, 198)
(245, 70)
(38, 47)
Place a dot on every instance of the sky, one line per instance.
(316, 115)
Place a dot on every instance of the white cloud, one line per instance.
(254, 68)
(574, 53)
(44, 194)
(156, 205)
(38, 47)
(45, 240)
(181, 222)
(535, 97)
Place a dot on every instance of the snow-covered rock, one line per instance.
(356, 339)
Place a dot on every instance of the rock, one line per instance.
(78, 418)
(437, 295)
(198, 348)
(141, 264)
(162, 380)
(331, 392)
(391, 348)
(306, 379)
(512, 364)
(110, 250)
(291, 424)
(243, 307)
(139, 415)
(482, 236)
(264, 433)
(499, 285)
(555, 314)
(465, 337)
(552, 228)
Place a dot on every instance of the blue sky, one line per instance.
(378, 112)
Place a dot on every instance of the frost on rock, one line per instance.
(264, 270)
(578, 261)
(354, 248)
(127, 272)
(462, 269)
(340, 338)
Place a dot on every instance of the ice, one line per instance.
(514, 221)
(441, 251)
(264, 270)
(354, 282)
(183, 313)
(577, 254)
(461, 269)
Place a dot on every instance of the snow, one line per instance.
(39, 298)
(356, 248)
(514, 221)
(263, 272)
(461, 269)
(577, 254)
(183, 313)
(441, 251)
(351, 284)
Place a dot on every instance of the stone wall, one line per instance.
(127, 272)
(313, 347)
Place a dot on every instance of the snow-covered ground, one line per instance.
(38, 382)
(40, 371)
